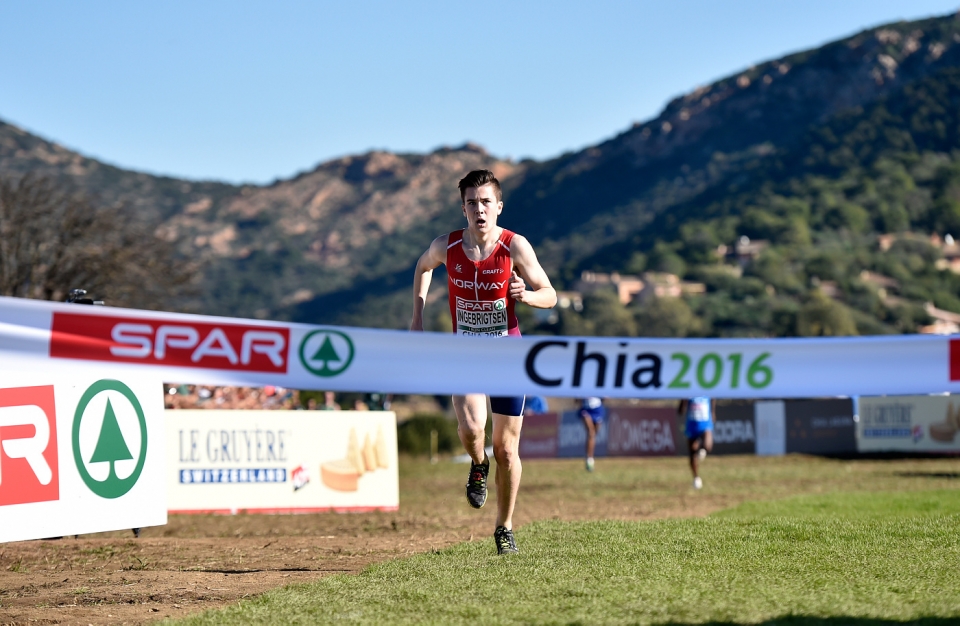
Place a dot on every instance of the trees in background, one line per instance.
(54, 239)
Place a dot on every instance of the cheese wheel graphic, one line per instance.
(340, 475)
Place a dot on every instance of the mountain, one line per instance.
(785, 151)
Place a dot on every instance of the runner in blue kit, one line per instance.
(699, 412)
(592, 412)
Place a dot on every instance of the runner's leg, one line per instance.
(471, 413)
(506, 444)
(591, 434)
(694, 456)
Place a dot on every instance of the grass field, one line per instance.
(805, 541)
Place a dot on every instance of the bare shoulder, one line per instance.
(523, 255)
(439, 246)
(519, 245)
(436, 254)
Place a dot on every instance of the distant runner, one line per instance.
(699, 414)
(486, 268)
(592, 412)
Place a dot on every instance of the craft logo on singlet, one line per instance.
(109, 438)
(484, 317)
(29, 467)
(326, 352)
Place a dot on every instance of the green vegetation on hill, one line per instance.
(892, 167)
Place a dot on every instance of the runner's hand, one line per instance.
(517, 287)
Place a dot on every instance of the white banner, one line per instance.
(80, 453)
(225, 351)
(281, 461)
(909, 424)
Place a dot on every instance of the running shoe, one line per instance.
(589, 464)
(477, 483)
(703, 453)
(697, 483)
(506, 544)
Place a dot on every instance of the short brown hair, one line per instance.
(479, 178)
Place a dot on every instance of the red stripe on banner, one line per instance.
(287, 510)
(173, 342)
(955, 359)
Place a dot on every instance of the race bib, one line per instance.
(699, 410)
(482, 317)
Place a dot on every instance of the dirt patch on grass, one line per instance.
(198, 562)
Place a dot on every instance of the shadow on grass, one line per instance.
(928, 474)
(803, 620)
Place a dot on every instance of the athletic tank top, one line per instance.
(698, 409)
(479, 304)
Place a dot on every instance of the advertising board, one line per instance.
(821, 426)
(643, 431)
(281, 461)
(909, 424)
(79, 453)
(572, 436)
(539, 436)
(734, 429)
(771, 430)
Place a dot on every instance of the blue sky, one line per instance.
(254, 91)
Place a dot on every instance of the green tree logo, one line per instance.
(111, 445)
(326, 352)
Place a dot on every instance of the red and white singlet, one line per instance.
(479, 300)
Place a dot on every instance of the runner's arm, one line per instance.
(541, 294)
(429, 261)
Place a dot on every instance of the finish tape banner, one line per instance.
(226, 351)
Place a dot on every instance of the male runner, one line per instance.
(592, 412)
(699, 414)
(486, 268)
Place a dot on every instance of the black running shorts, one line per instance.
(507, 405)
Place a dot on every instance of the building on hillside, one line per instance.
(629, 288)
(625, 286)
(880, 281)
(944, 322)
(746, 250)
(951, 255)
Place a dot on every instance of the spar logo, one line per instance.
(326, 352)
(28, 446)
(109, 438)
(170, 342)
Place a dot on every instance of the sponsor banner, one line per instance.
(771, 420)
(539, 436)
(79, 453)
(734, 429)
(909, 424)
(281, 461)
(225, 351)
(820, 426)
(643, 431)
(573, 436)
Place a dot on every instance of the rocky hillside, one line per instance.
(338, 243)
